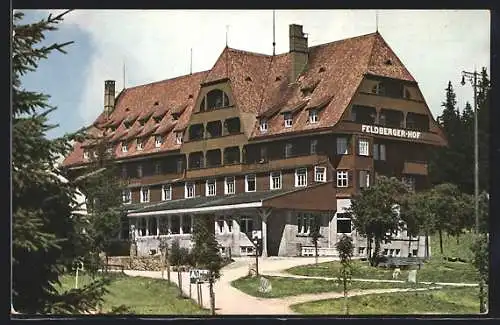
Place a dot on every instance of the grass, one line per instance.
(435, 270)
(284, 287)
(145, 296)
(445, 301)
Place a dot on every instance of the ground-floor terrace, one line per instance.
(278, 223)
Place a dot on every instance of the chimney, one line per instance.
(109, 96)
(299, 51)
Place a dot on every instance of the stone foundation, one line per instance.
(151, 263)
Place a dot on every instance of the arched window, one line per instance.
(214, 99)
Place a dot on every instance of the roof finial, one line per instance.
(227, 32)
(123, 74)
(376, 21)
(191, 63)
(274, 32)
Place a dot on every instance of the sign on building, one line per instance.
(380, 130)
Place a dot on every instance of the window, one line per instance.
(139, 144)
(86, 155)
(263, 153)
(229, 222)
(187, 224)
(139, 170)
(158, 141)
(250, 184)
(319, 174)
(152, 226)
(246, 225)
(288, 150)
(342, 148)
(229, 185)
(189, 190)
(288, 120)
(361, 251)
(210, 188)
(363, 147)
(215, 99)
(379, 89)
(263, 125)
(124, 147)
(313, 146)
(410, 182)
(175, 224)
(179, 165)
(304, 222)
(397, 252)
(166, 192)
(220, 225)
(126, 196)
(178, 137)
(313, 116)
(342, 178)
(344, 223)
(378, 151)
(301, 177)
(275, 180)
(364, 178)
(386, 251)
(144, 194)
(124, 171)
(141, 226)
(414, 252)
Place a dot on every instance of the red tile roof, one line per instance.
(261, 86)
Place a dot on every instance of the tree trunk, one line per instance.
(409, 245)
(374, 260)
(369, 248)
(212, 297)
(426, 245)
(107, 262)
(440, 240)
(179, 279)
(346, 305)
(316, 253)
(458, 240)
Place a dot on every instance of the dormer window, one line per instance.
(178, 137)
(140, 144)
(214, 99)
(379, 89)
(263, 125)
(86, 154)
(313, 116)
(288, 120)
(158, 141)
(124, 146)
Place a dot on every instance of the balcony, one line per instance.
(285, 163)
(415, 168)
(214, 171)
(152, 179)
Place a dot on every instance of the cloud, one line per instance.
(155, 45)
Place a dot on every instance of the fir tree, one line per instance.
(483, 112)
(206, 252)
(44, 229)
(345, 249)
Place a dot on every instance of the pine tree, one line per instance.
(345, 248)
(446, 164)
(206, 252)
(103, 189)
(44, 229)
(467, 149)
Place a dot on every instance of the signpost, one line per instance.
(198, 277)
(78, 267)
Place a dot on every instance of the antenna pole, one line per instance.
(274, 32)
(227, 31)
(191, 63)
(376, 20)
(123, 74)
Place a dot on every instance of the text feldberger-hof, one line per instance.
(390, 131)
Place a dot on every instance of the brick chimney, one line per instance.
(109, 96)
(298, 50)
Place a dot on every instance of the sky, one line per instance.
(152, 45)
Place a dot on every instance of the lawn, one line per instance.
(142, 296)
(443, 301)
(284, 287)
(435, 270)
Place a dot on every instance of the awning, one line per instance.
(320, 197)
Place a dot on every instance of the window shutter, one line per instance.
(350, 178)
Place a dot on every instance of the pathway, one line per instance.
(231, 301)
(289, 275)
